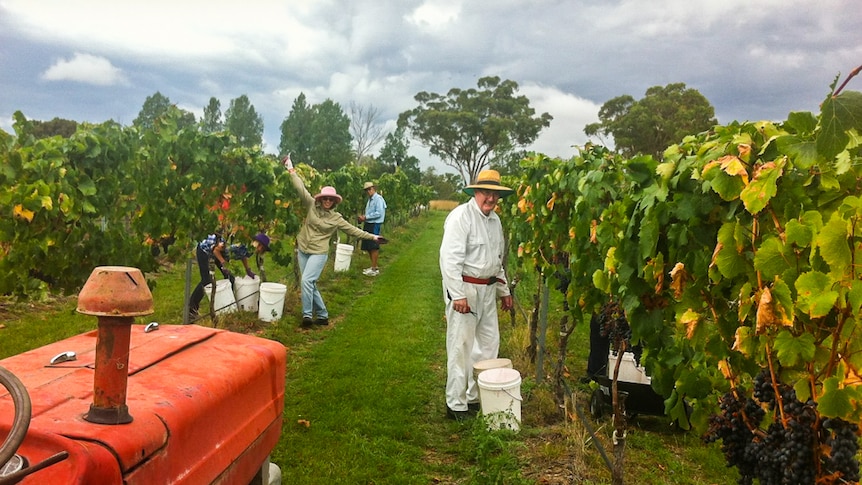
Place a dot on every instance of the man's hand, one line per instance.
(381, 240)
(461, 306)
(506, 303)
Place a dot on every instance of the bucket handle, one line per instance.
(517, 398)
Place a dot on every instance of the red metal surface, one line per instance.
(207, 408)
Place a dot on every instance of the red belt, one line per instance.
(482, 281)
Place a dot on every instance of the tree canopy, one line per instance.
(467, 128)
(57, 126)
(393, 156)
(154, 107)
(318, 135)
(244, 122)
(212, 122)
(663, 117)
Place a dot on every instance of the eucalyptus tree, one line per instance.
(468, 128)
(663, 117)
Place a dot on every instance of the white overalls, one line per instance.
(472, 246)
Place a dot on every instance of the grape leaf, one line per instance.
(728, 187)
(762, 188)
(835, 401)
(793, 351)
(833, 243)
(838, 115)
(798, 233)
(803, 153)
(814, 294)
(772, 258)
(728, 258)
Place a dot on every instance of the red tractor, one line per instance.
(141, 404)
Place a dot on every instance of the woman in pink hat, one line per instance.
(312, 243)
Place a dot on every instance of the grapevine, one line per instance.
(735, 259)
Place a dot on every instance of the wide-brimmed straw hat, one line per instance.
(488, 180)
(328, 191)
(368, 185)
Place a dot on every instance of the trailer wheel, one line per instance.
(597, 404)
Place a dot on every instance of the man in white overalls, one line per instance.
(471, 262)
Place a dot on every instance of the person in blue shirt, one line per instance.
(375, 213)
(214, 247)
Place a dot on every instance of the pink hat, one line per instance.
(328, 191)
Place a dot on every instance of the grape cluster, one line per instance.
(614, 325)
(730, 427)
(842, 439)
(780, 440)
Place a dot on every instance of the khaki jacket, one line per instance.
(320, 224)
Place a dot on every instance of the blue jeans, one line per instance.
(310, 266)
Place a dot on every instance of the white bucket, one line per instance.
(224, 299)
(484, 365)
(343, 253)
(271, 301)
(500, 393)
(246, 291)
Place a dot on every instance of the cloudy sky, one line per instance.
(95, 60)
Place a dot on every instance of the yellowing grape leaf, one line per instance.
(763, 187)
(22, 213)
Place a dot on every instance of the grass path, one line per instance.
(364, 404)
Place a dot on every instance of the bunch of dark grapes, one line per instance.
(764, 393)
(614, 325)
(730, 427)
(787, 451)
(843, 441)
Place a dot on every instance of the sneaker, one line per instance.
(306, 322)
(371, 272)
(321, 321)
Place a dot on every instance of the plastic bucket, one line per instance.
(500, 393)
(343, 253)
(246, 291)
(271, 301)
(484, 365)
(224, 299)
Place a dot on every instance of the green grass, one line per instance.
(364, 398)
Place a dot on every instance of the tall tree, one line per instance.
(466, 127)
(394, 156)
(296, 129)
(330, 137)
(154, 107)
(318, 135)
(212, 122)
(366, 129)
(663, 117)
(244, 123)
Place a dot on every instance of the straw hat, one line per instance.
(368, 185)
(328, 191)
(488, 180)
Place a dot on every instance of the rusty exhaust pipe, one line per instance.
(115, 295)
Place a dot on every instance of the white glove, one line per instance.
(287, 163)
